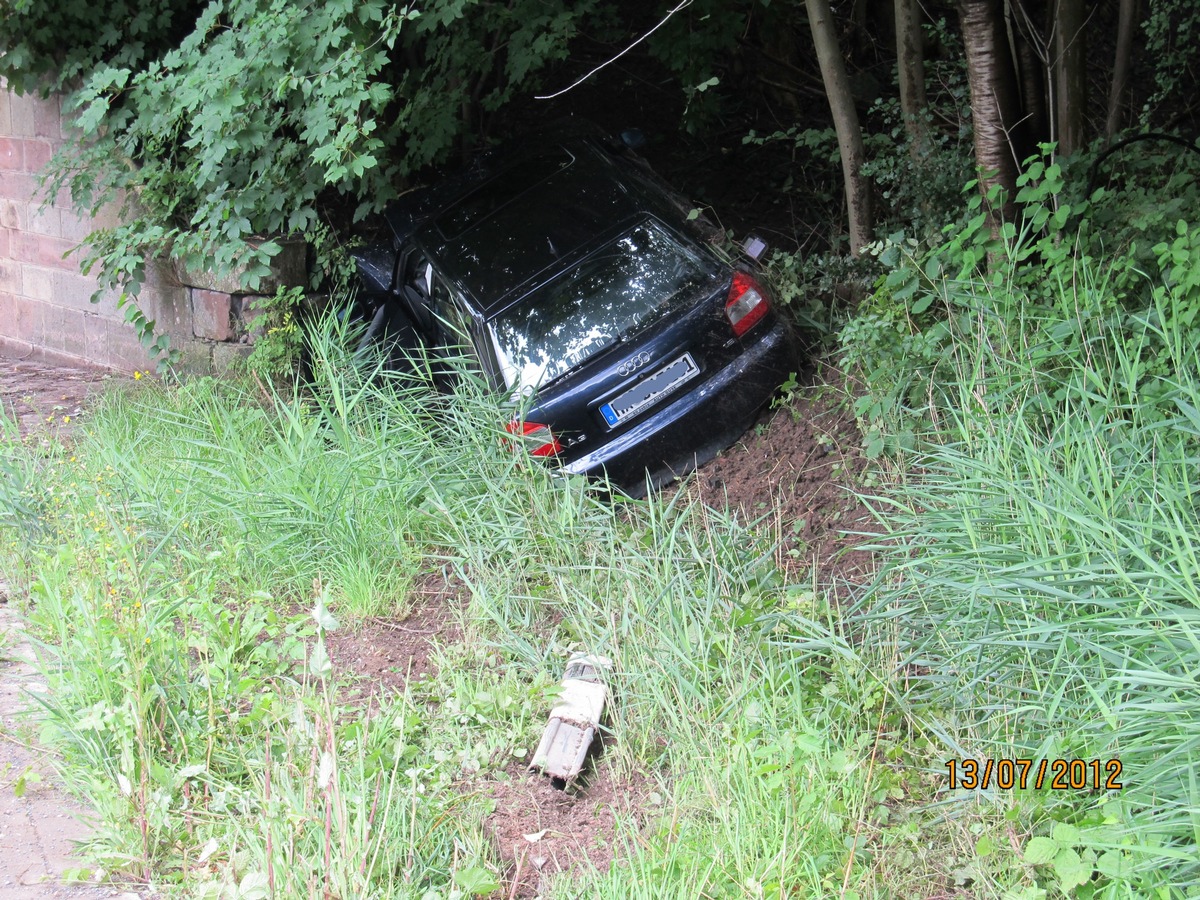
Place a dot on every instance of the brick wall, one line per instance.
(45, 307)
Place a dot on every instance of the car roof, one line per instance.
(520, 217)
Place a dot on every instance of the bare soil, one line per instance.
(795, 477)
(44, 399)
(541, 831)
(384, 654)
(791, 478)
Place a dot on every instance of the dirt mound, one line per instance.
(541, 831)
(383, 654)
(793, 478)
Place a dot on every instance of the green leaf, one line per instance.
(1065, 835)
(190, 772)
(906, 290)
(476, 880)
(254, 886)
(1025, 892)
(1040, 850)
(923, 303)
(23, 781)
(1070, 870)
(1114, 864)
(321, 615)
(319, 664)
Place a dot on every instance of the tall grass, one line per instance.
(203, 726)
(1047, 573)
(171, 547)
(339, 482)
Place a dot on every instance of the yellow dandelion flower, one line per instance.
(66, 419)
(137, 376)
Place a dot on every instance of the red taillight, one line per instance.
(537, 438)
(747, 303)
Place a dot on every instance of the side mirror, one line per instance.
(375, 266)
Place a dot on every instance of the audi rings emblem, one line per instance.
(632, 364)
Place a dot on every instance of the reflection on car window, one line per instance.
(450, 316)
(625, 286)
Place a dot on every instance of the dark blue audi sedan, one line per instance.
(575, 279)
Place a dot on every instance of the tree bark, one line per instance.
(1126, 23)
(994, 108)
(845, 122)
(1070, 69)
(910, 71)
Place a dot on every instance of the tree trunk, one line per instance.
(1126, 23)
(994, 109)
(910, 70)
(1026, 25)
(1070, 69)
(845, 122)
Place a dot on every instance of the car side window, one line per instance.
(450, 316)
(439, 314)
(430, 301)
(459, 328)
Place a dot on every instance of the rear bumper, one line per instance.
(697, 425)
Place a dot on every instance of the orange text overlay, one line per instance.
(1049, 774)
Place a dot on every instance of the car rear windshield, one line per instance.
(611, 294)
(501, 191)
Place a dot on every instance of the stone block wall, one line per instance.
(45, 302)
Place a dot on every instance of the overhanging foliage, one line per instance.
(237, 133)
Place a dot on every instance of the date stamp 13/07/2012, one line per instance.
(1044, 774)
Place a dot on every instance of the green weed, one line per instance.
(1044, 569)
(200, 714)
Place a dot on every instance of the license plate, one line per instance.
(650, 390)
